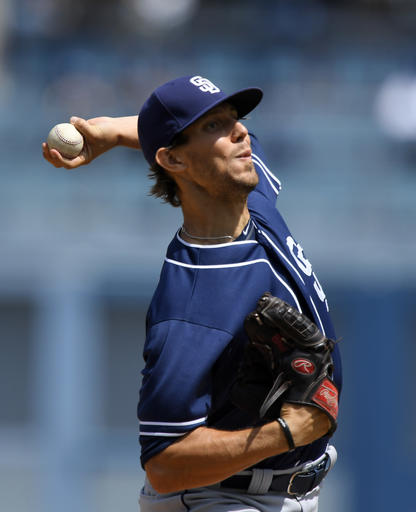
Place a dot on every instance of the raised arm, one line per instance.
(206, 456)
(100, 134)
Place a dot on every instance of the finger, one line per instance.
(88, 130)
(56, 159)
(73, 163)
(51, 155)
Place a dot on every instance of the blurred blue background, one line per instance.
(81, 251)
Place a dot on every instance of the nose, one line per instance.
(239, 132)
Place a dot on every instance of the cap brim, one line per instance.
(244, 101)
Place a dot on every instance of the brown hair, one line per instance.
(165, 186)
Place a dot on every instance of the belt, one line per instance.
(296, 483)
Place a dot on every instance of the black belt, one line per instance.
(297, 483)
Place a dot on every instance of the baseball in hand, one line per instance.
(66, 139)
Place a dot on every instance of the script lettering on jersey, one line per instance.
(204, 84)
(304, 264)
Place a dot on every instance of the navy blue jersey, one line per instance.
(194, 327)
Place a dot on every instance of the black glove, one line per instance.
(287, 359)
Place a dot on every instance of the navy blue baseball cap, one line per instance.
(176, 104)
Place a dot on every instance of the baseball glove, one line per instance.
(287, 359)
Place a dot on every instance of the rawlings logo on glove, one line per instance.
(288, 359)
(303, 366)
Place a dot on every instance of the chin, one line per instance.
(249, 184)
(242, 181)
(253, 177)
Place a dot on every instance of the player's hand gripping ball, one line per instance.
(287, 359)
(66, 139)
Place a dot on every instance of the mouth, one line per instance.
(245, 154)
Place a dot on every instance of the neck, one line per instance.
(220, 224)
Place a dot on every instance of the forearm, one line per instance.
(126, 128)
(206, 455)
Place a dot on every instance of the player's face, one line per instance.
(218, 154)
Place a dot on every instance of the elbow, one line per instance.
(159, 484)
(160, 479)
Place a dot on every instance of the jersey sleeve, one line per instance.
(175, 395)
(269, 186)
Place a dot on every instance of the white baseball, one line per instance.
(66, 139)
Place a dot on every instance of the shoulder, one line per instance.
(269, 185)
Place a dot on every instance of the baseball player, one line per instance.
(201, 452)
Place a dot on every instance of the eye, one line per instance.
(213, 124)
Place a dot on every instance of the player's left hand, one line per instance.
(306, 423)
(287, 360)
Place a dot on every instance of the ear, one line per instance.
(169, 160)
